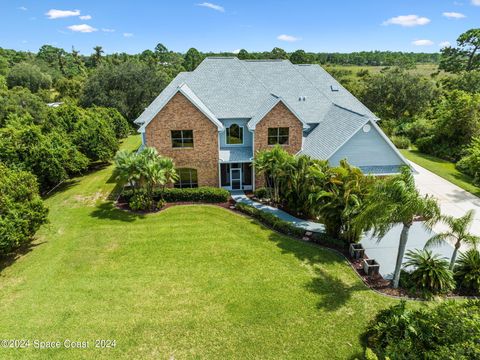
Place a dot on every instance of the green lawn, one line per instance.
(442, 168)
(188, 282)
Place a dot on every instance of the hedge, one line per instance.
(271, 220)
(201, 194)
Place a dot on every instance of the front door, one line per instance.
(236, 179)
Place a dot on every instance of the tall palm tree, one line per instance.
(273, 164)
(396, 201)
(458, 233)
(97, 56)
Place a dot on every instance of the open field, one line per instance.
(188, 282)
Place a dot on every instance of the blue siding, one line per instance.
(366, 149)
(247, 135)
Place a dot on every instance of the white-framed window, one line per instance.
(234, 135)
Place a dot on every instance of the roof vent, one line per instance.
(299, 98)
(303, 98)
(334, 88)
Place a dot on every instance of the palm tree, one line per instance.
(430, 271)
(170, 173)
(97, 56)
(126, 167)
(273, 164)
(340, 200)
(467, 270)
(396, 201)
(458, 232)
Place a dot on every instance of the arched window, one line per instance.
(187, 178)
(235, 134)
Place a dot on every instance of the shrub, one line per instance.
(271, 220)
(21, 209)
(326, 240)
(161, 203)
(140, 201)
(448, 331)
(261, 192)
(431, 274)
(201, 194)
(401, 142)
(470, 163)
(467, 271)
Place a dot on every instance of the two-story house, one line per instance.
(212, 121)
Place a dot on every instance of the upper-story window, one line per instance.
(235, 134)
(278, 136)
(182, 138)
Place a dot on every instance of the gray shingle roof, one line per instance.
(337, 127)
(231, 88)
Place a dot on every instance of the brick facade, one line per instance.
(180, 114)
(279, 116)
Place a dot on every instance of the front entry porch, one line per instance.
(236, 176)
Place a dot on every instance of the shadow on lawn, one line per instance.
(333, 291)
(9, 259)
(107, 210)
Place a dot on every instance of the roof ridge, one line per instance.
(315, 86)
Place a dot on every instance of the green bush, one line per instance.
(470, 163)
(271, 220)
(201, 194)
(467, 271)
(140, 201)
(431, 275)
(450, 330)
(21, 209)
(261, 192)
(161, 203)
(401, 142)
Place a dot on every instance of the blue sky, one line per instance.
(221, 25)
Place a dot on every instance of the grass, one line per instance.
(187, 282)
(442, 168)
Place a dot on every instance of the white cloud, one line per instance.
(454, 15)
(84, 28)
(127, 34)
(407, 20)
(236, 51)
(23, 8)
(444, 44)
(57, 14)
(212, 6)
(288, 38)
(476, 2)
(422, 42)
(108, 30)
(85, 17)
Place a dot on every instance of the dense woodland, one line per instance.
(101, 94)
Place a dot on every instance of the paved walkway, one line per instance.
(240, 197)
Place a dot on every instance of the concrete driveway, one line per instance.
(453, 200)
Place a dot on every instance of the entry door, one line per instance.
(236, 179)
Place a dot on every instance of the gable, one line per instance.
(368, 149)
(280, 114)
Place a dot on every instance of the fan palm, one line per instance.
(126, 167)
(458, 233)
(396, 201)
